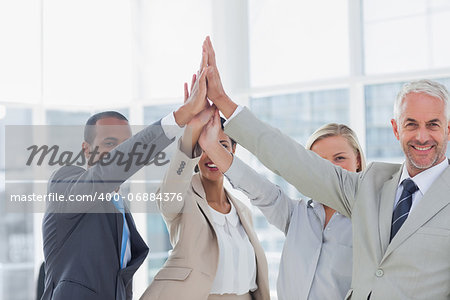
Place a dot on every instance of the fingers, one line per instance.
(210, 52)
(194, 78)
(186, 92)
(202, 78)
(204, 61)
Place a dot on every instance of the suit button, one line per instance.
(379, 273)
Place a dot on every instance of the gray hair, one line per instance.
(333, 129)
(425, 86)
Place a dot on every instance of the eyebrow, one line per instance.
(431, 121)
(343, 152)
(224, 141)
(410, 120)
(434, 121)
(111, 139)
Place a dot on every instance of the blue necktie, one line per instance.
(118, 203)
(401, 211)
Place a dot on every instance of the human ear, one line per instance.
(395, 129)
(86, 149)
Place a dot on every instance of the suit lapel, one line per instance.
(386, 209)
(201, 199)
(242, 218)
(433, 201)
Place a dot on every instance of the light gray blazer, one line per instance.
(416, 264)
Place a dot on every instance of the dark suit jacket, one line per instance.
(82, 248)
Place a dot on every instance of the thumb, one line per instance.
(186, 92)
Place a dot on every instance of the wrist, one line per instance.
(220, 156)
(183, 115)
(214, 149)
(226, 105)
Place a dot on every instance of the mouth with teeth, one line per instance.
(422, 149)
(211, 166)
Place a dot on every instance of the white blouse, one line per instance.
(236, 270)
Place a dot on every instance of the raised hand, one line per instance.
(196, 101)
(215, 88)
(195, 125)
(216, 92)
(200, 119)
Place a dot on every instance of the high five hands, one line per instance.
(207, 85)
(203, 122)
(215, 91)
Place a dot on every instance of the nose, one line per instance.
(422, 135)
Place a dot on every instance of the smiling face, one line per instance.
(208, 170)
(423, 131)
(109, 132)
(337, 150)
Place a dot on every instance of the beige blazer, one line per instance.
(190, 270)
(415, 264)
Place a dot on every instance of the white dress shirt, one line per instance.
(235, 113)
(170, 127)
(423, 180)
(236, 269)
(316, 262)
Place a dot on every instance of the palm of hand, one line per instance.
(215, 89)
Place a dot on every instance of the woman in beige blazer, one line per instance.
(200, 224)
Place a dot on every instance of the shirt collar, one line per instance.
(426, 178)
(220, 218)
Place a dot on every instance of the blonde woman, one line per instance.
(316, 261)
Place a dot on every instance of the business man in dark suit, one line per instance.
(92, 248)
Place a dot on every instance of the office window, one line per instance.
(299, 115)
(168, 37)
(405, 35)
(88, 52)
(155, 112)
(16, 229)
(20, 52)
(58, 117)
(294, 41)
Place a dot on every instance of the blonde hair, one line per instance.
(333, 129)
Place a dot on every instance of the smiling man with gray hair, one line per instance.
(400, 212)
